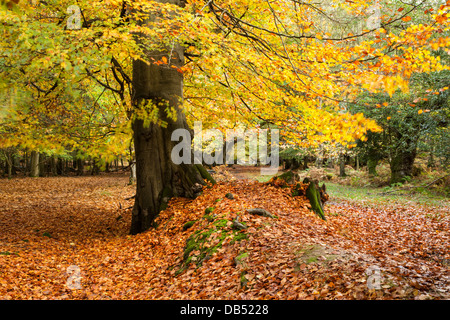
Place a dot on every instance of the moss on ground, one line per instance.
(188, 224)
(202, 244)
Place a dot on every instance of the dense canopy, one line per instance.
(66, 75)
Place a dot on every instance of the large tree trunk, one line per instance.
(157, 177)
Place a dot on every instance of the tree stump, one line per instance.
(316, 195)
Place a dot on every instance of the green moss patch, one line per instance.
(209, 210)
(202, 244)
(188, 224)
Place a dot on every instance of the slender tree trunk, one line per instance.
(9, 163)
(373, 157)
(15, 162)
(95, 168)
(60, 167)
(158, 178)
(342, 165)
(80, 167)
(54, 170)
(305, 162)
(372, 166)
(34, 170)
(132, 179)
(27, 162)
(42, 165)
(9, 170)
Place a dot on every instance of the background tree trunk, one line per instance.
(95, 167)
(80, 167)
(342, 173)
(403, 157)
(60, 170)
(305, 162)
(8, 162)
(27, 163)
(402, 165)
(53, 168)
(34, 170)
(372, 166)
(132, 179)
(42, 165)
(9, 166)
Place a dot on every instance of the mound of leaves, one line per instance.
(67, 238)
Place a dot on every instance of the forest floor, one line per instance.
(67, 238)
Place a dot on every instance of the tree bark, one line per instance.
(42, 165)
(305, 162)
(80, 167)
(157, 177)
(9, 170)
(132, 179)
(342, 173)
(95, 168)
(27, 162)
(9, 163)
(53, 166)
(372, 166)
(402, 165)
(34, 170)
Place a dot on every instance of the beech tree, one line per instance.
(159, 86)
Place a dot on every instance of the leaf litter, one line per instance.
(52, 226)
